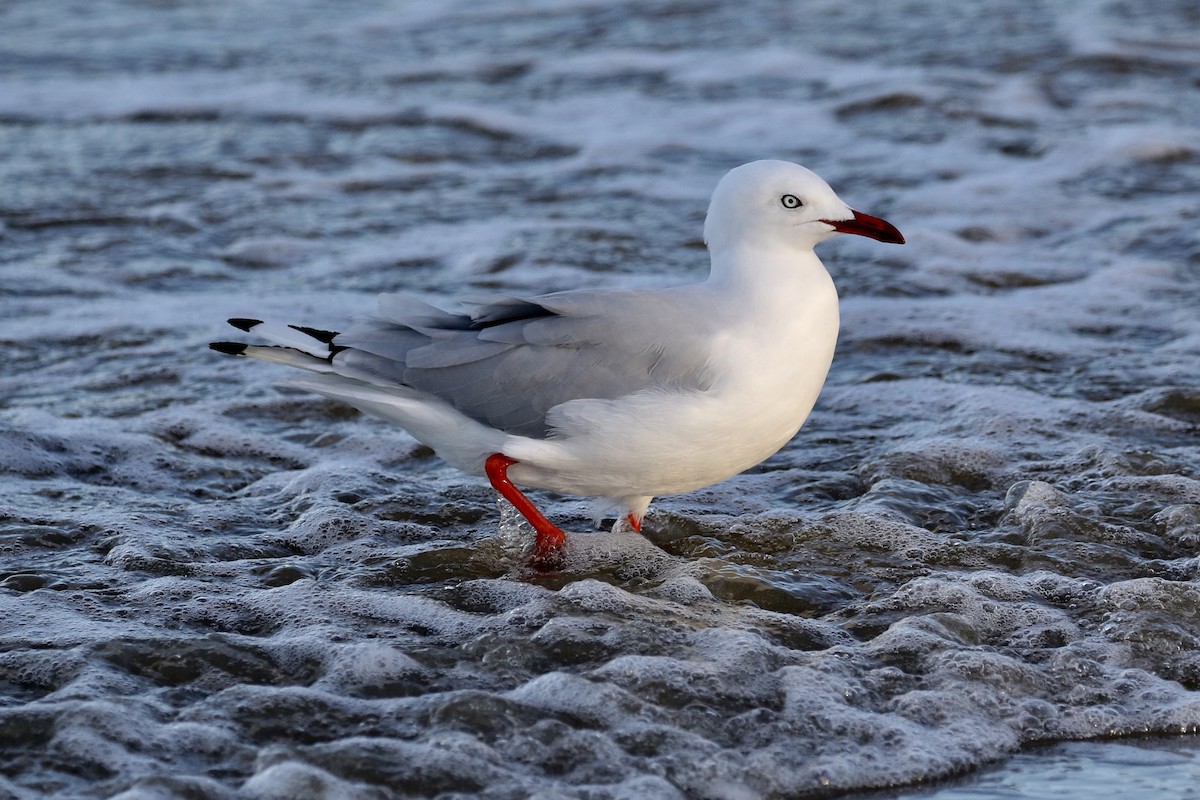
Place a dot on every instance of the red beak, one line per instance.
(866, 225)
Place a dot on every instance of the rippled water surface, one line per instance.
(986, 537)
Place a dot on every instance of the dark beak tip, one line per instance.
(872, 227)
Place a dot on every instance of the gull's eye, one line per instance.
(791, 201)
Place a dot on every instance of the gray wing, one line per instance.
(509, 360)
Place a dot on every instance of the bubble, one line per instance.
(292, 779)
(373, 670)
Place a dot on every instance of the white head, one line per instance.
(781, 204)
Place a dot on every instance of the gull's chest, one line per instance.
(784, 353)
(770, 371)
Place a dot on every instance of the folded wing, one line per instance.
(505, 362)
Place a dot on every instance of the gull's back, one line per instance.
(508, 361)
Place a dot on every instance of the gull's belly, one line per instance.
(659, 442)
(725, 434)
(767, 369)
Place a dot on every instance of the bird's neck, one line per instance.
(770, 276)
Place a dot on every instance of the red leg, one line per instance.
(634, 523)
(550, 539)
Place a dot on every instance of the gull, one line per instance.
(621, 394)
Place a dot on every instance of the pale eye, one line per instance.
(791, 201)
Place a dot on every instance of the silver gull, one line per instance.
(615, 393)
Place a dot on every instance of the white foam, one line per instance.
(291, 779)
(985, 536)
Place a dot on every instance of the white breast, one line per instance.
(768, 370)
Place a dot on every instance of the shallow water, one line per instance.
(1078, 771)
(985, 538)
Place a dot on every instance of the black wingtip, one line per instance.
(228, 348)
(244, 324)
(324, 337)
